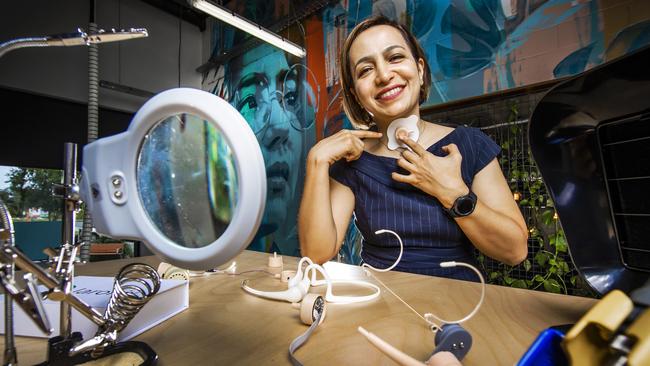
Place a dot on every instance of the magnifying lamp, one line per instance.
(187, 179)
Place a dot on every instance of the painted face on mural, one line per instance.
(387, 78)
(265, 91)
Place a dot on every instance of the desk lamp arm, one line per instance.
(78, 38)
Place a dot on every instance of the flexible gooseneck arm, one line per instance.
(78, 38)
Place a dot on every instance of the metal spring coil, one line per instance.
(93, 131)
(134, 286)
(6, 223)
(10, 348)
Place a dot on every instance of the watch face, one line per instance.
(465, 205)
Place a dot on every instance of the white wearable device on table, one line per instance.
(299, 285)
(409, 124)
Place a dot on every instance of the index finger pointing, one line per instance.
(366, 134)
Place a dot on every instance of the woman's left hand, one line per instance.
(437, 176)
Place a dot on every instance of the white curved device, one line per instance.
(409, 125)
(299, 286)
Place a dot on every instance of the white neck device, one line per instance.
(299, 286)
(409, 124)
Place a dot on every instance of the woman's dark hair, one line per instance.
(357, 114)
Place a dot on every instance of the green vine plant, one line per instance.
(546, 267)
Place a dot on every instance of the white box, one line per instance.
(171, 299)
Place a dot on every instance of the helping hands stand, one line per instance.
(133, 288)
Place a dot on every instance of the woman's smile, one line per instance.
(390, 93)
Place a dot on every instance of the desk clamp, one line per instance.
(134, 286)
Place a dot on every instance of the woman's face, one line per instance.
(264, 91)
(386, 77)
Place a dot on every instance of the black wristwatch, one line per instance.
(463, 205)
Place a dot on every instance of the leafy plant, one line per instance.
(546, 267)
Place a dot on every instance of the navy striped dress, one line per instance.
(428, 234)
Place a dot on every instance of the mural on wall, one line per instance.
(473, 47)
(481, 46)
(272, 91)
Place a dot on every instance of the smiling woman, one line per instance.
(443, 194)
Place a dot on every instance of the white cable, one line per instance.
(434, 327)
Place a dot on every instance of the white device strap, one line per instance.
(330, 297)
(337, 299)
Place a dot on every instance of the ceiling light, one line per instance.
(247, 26)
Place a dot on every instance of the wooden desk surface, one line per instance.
(225, 326)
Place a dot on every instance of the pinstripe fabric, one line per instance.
(429, 235)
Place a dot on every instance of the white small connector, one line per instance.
(275, 261)
(448, 264)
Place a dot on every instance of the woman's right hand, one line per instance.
(345, 144)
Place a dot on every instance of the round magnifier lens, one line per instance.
(187, 180)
